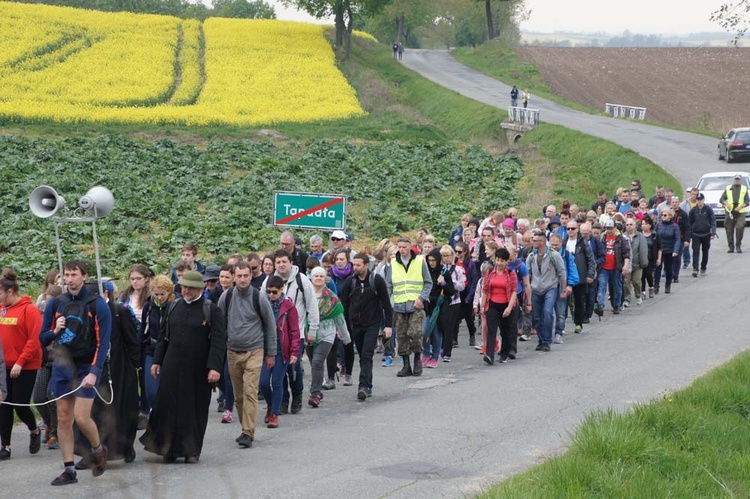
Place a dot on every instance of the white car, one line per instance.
(713, 185)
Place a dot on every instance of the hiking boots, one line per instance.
(406, 370)
(417, 365)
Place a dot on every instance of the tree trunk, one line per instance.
(400, 29)
(348, 35)
(490, 26)
(340, 26)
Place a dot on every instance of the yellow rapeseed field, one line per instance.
(74, 65)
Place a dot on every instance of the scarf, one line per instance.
(329, 305)
(276, 306)
(342, 274)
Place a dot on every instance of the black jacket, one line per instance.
(681, 218)
(584, 258)
(702, 221)
(364, 305)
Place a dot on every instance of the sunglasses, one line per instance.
(572, 228)
(336, 239)
(273, 292)
(459, 252)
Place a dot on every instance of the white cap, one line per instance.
(338, 234)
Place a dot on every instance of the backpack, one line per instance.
(370, 280)
(256, 300)
(77, 338)
(206, 314)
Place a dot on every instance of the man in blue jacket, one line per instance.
(73, 371)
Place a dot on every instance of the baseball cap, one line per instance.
(338, 234)
(609, 224)
(737, 176)
(700, 196)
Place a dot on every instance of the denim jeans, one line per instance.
(152, 385)
(272, 382)
(543, 308)
(293, 380)
(432, 343)
(685, 256)
(605, 276)
(561, 314)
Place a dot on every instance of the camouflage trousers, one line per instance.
(409, 332)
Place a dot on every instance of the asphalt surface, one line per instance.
(463, 426)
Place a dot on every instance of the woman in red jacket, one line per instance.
(20, 324)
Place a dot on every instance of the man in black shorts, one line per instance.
(78, 324)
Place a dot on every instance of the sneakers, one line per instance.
(578, 329)
(4, 454)
(431, 363)
(387, 361)
(267, 416)
(52, 443)
(99, 461)
(380, 349)
(703, 271)
(684, 266)
(446, 358)
(503, 359)
(545, 347)
(481, 347)
(676, 280)
(616, 310)
(296, 405)
(487, 360)
(626, 304)
(244, 442)
(329, 384)
(227, 417)
(273, 421)
(347, 380)
(315, 400)
(524, 337)
(472, 341)
(35, 441)
(46, 434)
(639, 301)
(695, 272)
(220, 406)
(558, 339)
(285, 407)
(539, 347)
(192, 460)
(361, 394)
(65, 478)
(598, 310)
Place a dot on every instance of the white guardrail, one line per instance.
(524, 115)
(620, 111)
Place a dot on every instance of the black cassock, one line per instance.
(179, 417)
(118, 422)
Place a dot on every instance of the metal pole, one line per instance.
(96, 252)
(59, 254)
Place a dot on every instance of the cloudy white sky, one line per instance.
(615, 16)
(612, 16)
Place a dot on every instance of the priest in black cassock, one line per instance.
(189, 358)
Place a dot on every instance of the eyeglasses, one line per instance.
(273, 292)
(336, 239)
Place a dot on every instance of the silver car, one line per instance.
(713, 185)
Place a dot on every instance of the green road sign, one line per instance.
(309, 211)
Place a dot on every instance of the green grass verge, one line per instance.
(693, 444)
(584, 165)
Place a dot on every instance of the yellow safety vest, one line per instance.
(731, 201)
(407, 285)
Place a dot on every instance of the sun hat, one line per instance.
(191, 279)
(211, 273)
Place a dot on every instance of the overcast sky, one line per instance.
(612, 16)
(615, 16)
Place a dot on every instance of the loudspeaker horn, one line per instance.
(99, 201)
(44, 201)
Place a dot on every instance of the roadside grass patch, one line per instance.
(692, 444)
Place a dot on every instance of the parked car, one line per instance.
(713, 185)
(735, 144)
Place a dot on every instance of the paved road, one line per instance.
(463, 426)
(687, 156)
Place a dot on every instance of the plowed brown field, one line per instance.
(706, 88)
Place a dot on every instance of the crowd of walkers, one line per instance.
(99, 366)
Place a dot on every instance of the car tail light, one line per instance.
(737, 144)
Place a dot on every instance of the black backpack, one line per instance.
(77, 338)
(371, 282)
